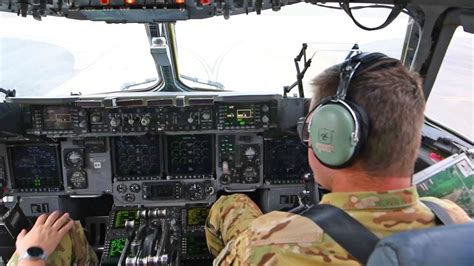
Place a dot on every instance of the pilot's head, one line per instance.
(387, 102)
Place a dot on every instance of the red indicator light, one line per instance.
(104, 2)
(180, 2)
(130, 2)
(205, 2)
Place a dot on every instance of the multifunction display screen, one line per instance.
(196, 216)
(57, 118)
(196, 245)
(116, 247)
(137, 156)
(35, 167)
(190, 154)
(239, 115)
(162, 191)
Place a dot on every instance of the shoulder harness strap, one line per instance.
(351, 234)
(440, 213)
(344, 229)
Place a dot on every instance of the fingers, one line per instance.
(64, 219)
(41, 219)
(66, 228)
(21, 234)
(52, 218)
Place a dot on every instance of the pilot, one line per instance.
(60, 239)
(369, 178)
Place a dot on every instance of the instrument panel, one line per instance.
(134, 147)
(162, 161)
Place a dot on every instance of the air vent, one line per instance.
(128, 103)
(161, 102)
(89, 104)
(201, 101)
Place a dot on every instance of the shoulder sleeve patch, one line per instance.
(282, 227)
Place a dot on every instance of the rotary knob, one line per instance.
(121, 188)
(206, 116)
(115, 122)
(131, 121)
(145, 121)
(95, 118)
(83, 124)
(82, 113)
(210, 190)
(135, 188)
(265, 108)
(225, 179)
(129, 197)
(265, 119)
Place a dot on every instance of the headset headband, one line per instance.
(353, 66)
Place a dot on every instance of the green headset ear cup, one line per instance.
(331, 131)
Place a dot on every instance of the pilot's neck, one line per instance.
(354, 181)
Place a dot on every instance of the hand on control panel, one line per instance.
(46, 234)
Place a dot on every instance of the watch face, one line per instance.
(35, 251)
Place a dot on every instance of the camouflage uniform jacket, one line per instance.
(238, 234)
(72, 250)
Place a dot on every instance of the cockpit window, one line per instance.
(58, 56)
(254, 53)
(452, 97)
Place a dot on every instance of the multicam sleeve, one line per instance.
(82, 252)
(229, 217)
(60, 256)
(456, 213)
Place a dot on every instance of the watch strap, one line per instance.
(26, 255)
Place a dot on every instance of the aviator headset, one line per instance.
(339, 127)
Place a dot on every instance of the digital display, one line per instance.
(196, 216)
(281, 166)
(35, 167)
(161, 191)
(196, 245)
(244, 113)
(190, 154)
(240, 115)
(121, 216)
(116, 247)
(57, 118)
(137, 156)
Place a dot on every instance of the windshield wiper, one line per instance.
(211, 83)
(129, 85)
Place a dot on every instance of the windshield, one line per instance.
(452, 97)
(254, 53)
(57, 56)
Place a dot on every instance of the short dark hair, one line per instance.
(393, 98)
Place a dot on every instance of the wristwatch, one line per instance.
(34, 253)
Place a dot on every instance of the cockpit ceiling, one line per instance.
(153, 11)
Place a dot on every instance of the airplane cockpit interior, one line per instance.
(203, 98)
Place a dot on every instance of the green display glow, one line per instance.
(116, 247)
